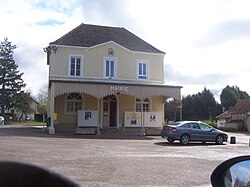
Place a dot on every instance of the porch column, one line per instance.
(52, 108)
(142, 119)
(117, 111)
(142, 113)
(98, 117)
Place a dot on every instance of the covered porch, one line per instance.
(107, 105)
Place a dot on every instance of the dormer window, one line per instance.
(75, 65)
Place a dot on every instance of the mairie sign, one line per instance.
(119, 88)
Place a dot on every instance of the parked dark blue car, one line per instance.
(186, 131)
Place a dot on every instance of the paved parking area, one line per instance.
(118, 160)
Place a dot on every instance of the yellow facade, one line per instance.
(68, 121)
(93, 59)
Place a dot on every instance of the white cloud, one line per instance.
(206, 42)
(31, 26)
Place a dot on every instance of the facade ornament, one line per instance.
(111, 52)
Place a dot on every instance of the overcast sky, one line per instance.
(207, 42)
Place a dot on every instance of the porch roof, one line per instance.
(102, 89)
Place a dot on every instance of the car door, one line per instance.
(194, 131)
(207, 132)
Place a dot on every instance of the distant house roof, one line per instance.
(86, 35)
(33, 100)
(242, 107)
(224, 115)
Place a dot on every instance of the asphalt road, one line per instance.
(118, 160)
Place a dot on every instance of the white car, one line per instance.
(1, 120)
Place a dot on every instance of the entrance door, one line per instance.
(109, 111)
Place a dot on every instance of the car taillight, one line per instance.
(174, 129)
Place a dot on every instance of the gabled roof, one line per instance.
(33, 100)
(242, 107)
(224, 115)
(86, 35)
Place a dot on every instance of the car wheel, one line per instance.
(184, 139)
(170, 140)
(219, 139)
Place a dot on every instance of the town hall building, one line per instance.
(103, 77)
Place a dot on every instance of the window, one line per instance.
(193, 125)
(74, 102)
(144, 104)
(204, 127)
(110, 67)
(75, 65)
(142, 70)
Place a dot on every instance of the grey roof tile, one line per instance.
(86, 35)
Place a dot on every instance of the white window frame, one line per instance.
(81, 65)
(66, 111)
(143, 105)
(105, 59)
(142, 76)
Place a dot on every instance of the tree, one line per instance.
(208, 103)
(201, 106)
(230, 95)
(42, 99)
(171, 110)
(11, 81)
(189, 112)
(23, 103)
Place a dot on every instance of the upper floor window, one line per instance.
(75, 65)
(142, 69)
(110, 67)
(74, 102)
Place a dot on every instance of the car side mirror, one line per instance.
(233, 172)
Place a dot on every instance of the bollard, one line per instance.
(233, 140)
